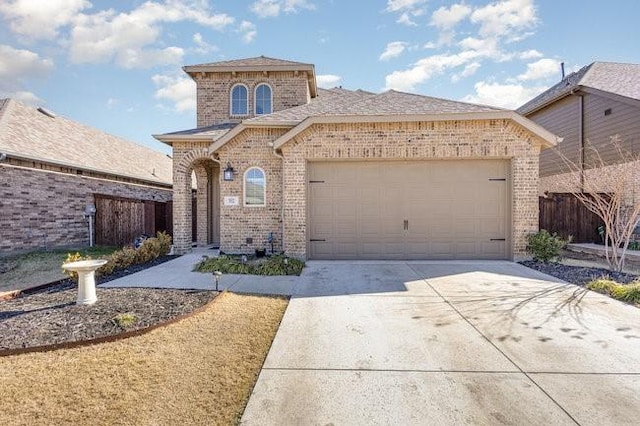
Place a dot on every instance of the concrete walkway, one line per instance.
(448, 343)
(178, 273)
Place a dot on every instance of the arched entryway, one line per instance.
(200, 166)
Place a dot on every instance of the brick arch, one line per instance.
(187, 161)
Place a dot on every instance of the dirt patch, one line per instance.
(198, 371)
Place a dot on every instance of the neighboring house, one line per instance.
(340, 174)
(51, 168)
(587, 108)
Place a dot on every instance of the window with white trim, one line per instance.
(239, 100)
(255, 186)
(263, 99)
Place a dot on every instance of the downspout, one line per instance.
(280, 156)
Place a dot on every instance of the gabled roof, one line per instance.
(611, 77)
(208, 133)
(400, 103)
(346, 106)
(36, 134)
(259, 63)
(326, 101)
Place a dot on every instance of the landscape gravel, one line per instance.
(50, 315)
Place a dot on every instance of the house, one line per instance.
(52, 169)
(587, 108)
(341, 174)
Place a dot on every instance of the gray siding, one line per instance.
(624, 121)
(561, 118)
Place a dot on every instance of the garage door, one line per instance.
(409, 210)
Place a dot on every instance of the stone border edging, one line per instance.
(108, 339)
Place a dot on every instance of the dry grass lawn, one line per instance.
(41, 267)
(198, 371)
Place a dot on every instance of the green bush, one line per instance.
(150, 249)
(545, 246)
(627, 292)
(274, 265)
(124, 320)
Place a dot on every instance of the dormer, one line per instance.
(232, 91)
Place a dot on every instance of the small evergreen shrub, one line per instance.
(273, 265)
(545, 246)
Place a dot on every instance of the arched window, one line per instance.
(255, 186)
(263, 99)
(239, 100)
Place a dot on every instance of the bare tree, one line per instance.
(609, 187)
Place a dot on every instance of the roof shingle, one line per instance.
(29, 133)
(617, 78)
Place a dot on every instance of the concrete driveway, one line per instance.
(448, 343)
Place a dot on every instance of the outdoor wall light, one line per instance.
(229, 172)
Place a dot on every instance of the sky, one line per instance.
(117, 65)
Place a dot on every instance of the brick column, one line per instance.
(202, 179)
(181, 211)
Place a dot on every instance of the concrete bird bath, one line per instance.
(86, 270)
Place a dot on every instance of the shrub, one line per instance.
(627, 292)
(274, 265)
(125, 320)
(545, 246)
(73, 257)
(150, 249)
(280, 265)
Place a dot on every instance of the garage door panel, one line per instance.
(410, 210)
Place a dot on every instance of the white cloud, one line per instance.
(181, 91)
(40, 19)
(468, 71)
(502, 95)
(530, 54)
(407, 9)
(426, 68)
(446, 19)
(128, 38)
(202, 46)
(505, 18)
(393, 50)
(540, 69)
(248, 31)
(400, 5)
(26, 97)
(327, 81)
(273, 8)
(17, 66)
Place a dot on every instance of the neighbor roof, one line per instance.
(36, 134)
(616, 78)
(259, 63)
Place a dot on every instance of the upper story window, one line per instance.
(239, 100)
(263, 99)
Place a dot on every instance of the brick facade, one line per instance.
(288, 89)
(497, 139)
(43, 208)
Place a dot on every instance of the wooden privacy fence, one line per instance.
(566, 215)
(120, 220)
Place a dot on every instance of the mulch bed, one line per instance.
(50, 315)
(579, 275)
